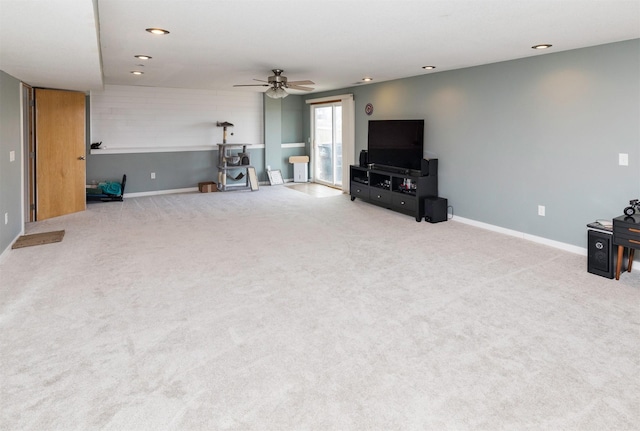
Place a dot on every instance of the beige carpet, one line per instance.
(277, 310)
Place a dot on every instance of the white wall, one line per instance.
(128, 117)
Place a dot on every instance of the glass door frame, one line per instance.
(348, 132)
(336, 145)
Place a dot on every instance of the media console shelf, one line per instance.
(396, 189)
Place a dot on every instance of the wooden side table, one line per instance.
(626, 233)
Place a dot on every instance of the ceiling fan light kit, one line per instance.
(278, 83)
(276, 93)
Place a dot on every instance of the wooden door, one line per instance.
(60, 153)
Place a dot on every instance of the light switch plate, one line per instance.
(623, 159)
(12, 156)
(541, 210)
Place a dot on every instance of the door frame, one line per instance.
(314, 146)
(28, 153)
(348, 132)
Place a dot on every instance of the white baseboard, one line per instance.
(172, 191)
(160, 192)
(6, 250)
(540, 240)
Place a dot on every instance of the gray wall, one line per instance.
(10, 172)
(510, 136)
(174, 170)
(283, 124)
(293, 108)
(272, 133)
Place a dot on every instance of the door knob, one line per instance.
(81, 158)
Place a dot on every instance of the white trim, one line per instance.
(131, 150)
(538, 239)
(348, 140)
(24, 158)
(348, 96)
(5, 252)
(160, 192)
(185, 190)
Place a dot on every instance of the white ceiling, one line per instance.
(213, 44)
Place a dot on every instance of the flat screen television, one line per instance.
(396, 143)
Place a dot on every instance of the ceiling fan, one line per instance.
(277, 84)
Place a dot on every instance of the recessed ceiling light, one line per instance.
(137, 72)
(156, 30)
(143, 57)
(428, 67)
(367, 79)
(542, 46)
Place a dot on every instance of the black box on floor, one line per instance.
(435, 209)
(600, 252)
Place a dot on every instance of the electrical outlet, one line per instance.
(541, 210)
(12, 156)
(153, 175)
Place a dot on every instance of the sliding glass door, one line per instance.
(327, 144)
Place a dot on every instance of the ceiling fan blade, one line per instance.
(299, 87)
(251, 85)
(307, 82)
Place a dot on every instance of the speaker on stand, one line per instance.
(364, 158)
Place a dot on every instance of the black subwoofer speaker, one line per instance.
(364, 158)
(600, 253)
(435, 209)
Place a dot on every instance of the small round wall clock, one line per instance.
(368, 109)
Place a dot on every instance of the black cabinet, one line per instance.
(626, 231)
(402, 191)
(626, 234)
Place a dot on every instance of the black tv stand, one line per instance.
(398, 189)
